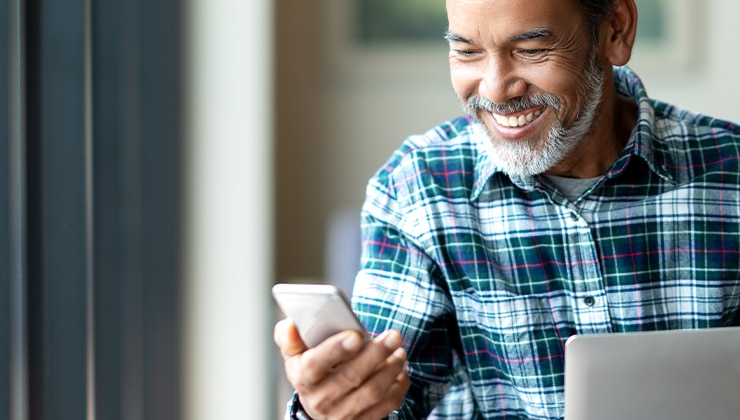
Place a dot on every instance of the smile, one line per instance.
(516, 121)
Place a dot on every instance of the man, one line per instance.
(567, 203)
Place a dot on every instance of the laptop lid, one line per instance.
(676, 375)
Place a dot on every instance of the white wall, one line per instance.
(227, 308)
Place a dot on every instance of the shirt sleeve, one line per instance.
(400, 287)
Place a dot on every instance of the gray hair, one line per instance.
(593, 12)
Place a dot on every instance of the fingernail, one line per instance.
(392, 341)
(351, 342)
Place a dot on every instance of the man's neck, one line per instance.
(612, 129)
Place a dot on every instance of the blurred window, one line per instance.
(389, 21)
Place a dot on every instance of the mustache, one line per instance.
(478, 103)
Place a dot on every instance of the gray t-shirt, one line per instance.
(571, 188)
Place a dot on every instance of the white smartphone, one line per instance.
(318, 310)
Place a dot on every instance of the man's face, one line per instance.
(527, 70)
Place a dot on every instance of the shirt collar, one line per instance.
(640, 143)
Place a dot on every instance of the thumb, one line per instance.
(288, 339)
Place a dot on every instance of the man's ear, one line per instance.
(617, 34)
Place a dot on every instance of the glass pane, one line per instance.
(389, 21)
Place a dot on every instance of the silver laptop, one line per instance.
(671, 375)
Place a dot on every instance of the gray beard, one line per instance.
(536, 155)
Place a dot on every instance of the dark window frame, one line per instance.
(91, 209)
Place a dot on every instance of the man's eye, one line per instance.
(531, 52)
(465, 53)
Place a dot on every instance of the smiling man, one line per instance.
(544, 93)
(565, 202)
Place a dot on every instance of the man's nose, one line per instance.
(501, 82)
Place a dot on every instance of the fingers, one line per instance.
(393, 400)
(315, 364)
(382, 393)
(357, 370)
(361, 384)
(342, 379)
(388, 397)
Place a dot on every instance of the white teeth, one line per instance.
(515, 122)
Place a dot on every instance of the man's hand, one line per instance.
(340, 378)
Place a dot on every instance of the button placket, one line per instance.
(575, 216)
(592, 313)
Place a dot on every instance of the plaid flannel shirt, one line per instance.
(487, 275)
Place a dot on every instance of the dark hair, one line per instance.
(593, 12)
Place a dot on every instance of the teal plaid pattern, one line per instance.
(486, 275)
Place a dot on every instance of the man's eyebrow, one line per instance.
(526, 36)
(451, 37)
(533, 34)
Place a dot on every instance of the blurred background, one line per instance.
(168, 161)
(354, 78)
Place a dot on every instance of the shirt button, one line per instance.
(574, 216)
(589, 300)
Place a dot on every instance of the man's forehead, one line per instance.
(500, 22)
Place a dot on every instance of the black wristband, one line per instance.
(296, 409)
